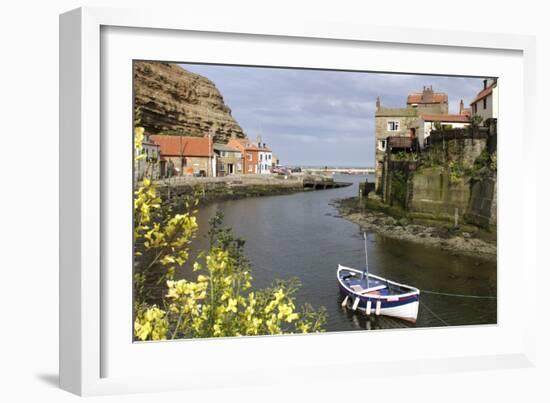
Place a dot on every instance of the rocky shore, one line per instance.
(464, 239)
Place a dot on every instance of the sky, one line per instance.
(318, 117)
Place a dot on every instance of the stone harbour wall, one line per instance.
(482, 206)
(435, 196)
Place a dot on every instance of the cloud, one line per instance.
(319, 117)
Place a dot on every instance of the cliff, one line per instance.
(173, 100)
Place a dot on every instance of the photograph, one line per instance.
(286, 200)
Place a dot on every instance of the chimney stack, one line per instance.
(427, 94)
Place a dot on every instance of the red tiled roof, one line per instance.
(446, 118)
(251, 145)
(438, 97)
(245, 144)
(484, 93)
(183, 146)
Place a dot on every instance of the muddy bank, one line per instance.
(465, 239)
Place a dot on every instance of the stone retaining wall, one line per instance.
(431, 193)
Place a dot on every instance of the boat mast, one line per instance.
(366, 272)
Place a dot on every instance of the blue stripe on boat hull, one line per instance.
(385, 303)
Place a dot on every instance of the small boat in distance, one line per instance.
(376, 295)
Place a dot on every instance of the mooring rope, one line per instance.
(433, 313)
(458, 295)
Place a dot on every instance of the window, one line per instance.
(484, 103)
(261, 157)
(249, 156)
(382, 145)
(474, 108)
(393, 125)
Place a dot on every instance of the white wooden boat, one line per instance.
(376, 295)
(379, 297)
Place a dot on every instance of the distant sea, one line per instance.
(331, 166)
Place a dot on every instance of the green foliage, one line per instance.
(399, 184)
(220, 301)
(405, 156)
(442, 126)
(485, 161)
(475, 121)
(482, 159)
(458, 171)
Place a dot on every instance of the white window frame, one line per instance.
(396, 125)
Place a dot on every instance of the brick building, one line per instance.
(249, 152)
(182, 155)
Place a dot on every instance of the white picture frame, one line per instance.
(84, 192)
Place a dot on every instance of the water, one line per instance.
(301, 235)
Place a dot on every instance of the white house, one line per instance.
(265, 158)
(485, 104)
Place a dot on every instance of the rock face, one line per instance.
(172, 100)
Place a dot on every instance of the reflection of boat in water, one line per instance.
(375, 295)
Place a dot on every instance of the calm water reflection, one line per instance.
(301, 235)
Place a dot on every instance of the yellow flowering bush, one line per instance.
(161, 240)
(220, 300)
(151, 323)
